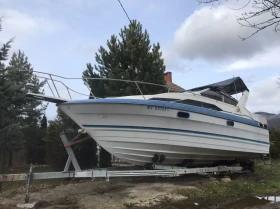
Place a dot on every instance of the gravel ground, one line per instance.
(97, 194)
(123, 193)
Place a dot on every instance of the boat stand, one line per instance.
(158, 170)
(266, 159)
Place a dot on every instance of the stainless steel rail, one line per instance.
(54, 79)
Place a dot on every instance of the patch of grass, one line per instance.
(69, 201)
(265, 181)
(7, 206)
(10, 189)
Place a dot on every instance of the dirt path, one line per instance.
(97, 194)
(122, 193)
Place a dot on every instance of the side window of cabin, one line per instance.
(199, 104)
(211, 106)
(190, 102)
(212, 95)
(229, 100)
(219, 97)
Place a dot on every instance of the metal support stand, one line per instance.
(29, 177)
(266, 159)
(71, 155)
(71, 159)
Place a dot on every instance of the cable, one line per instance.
(124, 11)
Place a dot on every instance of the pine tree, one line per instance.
(6, 115)
(29, 111)
(56, 155)
(8, 127)
(274, 136)
(104, 158)
(35, 145)
(129, 57)
(44, 123)
(17, 113)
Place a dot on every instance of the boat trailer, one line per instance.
(158, 170)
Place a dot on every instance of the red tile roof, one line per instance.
(174, 88)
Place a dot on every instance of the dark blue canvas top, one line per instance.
(230, 86)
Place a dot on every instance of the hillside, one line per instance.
(273, 120)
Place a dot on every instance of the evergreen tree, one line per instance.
(44, 123)
(274, 136)
(8, 127)
(17, 113)
(56, 155)
(29, 111)
(129, 57)
(35, 145)
(104, 158)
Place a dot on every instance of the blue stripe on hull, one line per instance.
(171, 105)
(173, 130)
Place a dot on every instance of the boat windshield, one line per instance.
(219, 96)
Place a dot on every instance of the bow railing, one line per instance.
(52, 80)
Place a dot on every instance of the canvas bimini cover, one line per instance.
(230, 86)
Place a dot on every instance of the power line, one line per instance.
(124, 11)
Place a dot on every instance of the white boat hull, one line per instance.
(136, 132)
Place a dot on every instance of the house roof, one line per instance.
(174, 88)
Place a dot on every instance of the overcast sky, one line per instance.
(200, 44)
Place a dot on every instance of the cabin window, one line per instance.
(212, 95)
(229, 100)
(230, 123)
(199, 104)
(190, 102)
(219, 97)
(183, 114)
(210, 106)
(265, 126)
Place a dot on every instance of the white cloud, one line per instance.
(269, 58)
(251, 78)
(22, 26)
(212, 34)
(265, 96)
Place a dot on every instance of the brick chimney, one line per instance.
(168, 77)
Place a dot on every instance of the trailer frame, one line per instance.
(157, 170)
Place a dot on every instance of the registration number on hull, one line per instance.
(149, 107)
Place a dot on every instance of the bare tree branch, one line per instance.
(243, 6)
(264, 14)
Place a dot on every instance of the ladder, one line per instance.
(266, 158)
